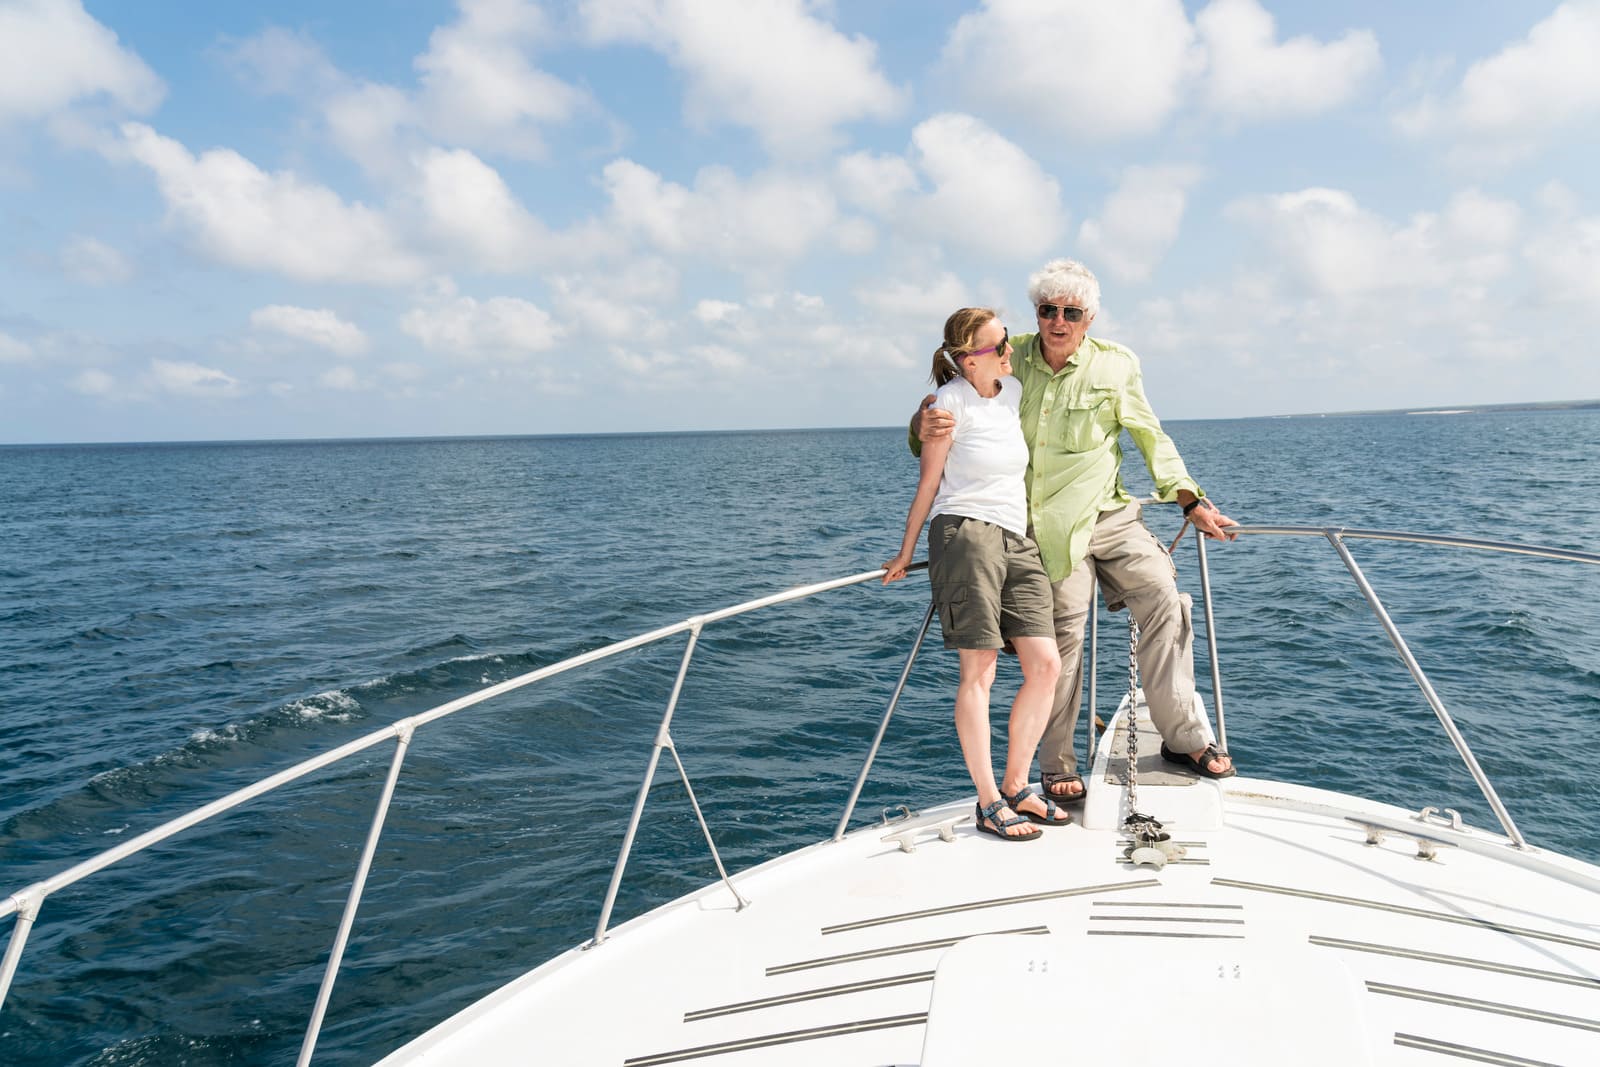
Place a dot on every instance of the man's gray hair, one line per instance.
(1065, 281)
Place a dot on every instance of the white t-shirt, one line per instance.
(985, 472)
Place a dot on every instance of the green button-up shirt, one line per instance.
(1073, 419)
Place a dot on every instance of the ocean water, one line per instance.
(177, 621)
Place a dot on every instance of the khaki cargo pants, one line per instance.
(1133, 569)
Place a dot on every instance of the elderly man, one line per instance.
(1078, 394)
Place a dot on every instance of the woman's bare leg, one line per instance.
(1030, 711)
(972, 727)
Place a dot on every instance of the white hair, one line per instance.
(1065, 280)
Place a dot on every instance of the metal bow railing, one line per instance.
(26, 904)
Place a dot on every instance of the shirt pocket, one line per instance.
(1087, 421)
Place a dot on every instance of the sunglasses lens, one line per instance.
(1070, 314)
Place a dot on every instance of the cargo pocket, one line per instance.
(953, 611)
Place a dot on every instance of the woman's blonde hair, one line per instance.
(960, 332)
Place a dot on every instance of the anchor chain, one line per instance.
(1145, 830)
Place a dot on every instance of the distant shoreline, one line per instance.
(1466, 409)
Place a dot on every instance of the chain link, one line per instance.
(1144, 829)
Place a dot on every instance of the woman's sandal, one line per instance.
(1050, 808)
(989, 822)
(1051, 779)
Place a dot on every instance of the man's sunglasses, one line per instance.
(1070, 314)
(1005, 339)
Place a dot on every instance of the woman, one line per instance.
(987, 579)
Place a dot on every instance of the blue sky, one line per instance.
(500, 216)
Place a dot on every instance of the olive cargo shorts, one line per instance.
(988, 583)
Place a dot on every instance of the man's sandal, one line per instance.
(1050, 809)
(989, 822)
(1051, 779)
(1201, 766)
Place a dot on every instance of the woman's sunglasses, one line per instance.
(1005, 339)
(1070, 314)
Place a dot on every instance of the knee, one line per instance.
(1045, 668)
(1163, 604)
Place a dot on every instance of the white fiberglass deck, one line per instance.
(1282, 936)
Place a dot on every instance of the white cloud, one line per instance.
(191, 379)
(13, 350)
(1080, 67)
(500, 329)
(277, 60)
(342, 379)
(316, 326)
(245, 217)
(1546, 82)
(987, 194)
(93, 383)
(875, 183)
(921, 305)
(713, 311)
(768, 220)
(94, 262)
(1564, 261)
(1250, 76)
(769, 65)
(1139, 221)
(633, 302)
(477, 86)
(54, 55)
(468, 205)
(1337, 249)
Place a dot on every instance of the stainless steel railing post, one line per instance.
(27, 911)
(1211, 639)
(1432, 697)
(883, 725)
(663, 740)
(325, 993)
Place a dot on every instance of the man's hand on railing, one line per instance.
(1206, 518)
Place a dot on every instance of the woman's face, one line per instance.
(991, 354)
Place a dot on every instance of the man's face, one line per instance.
(1056, 333)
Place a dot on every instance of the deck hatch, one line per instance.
(996, 902)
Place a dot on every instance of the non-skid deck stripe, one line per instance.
(1490, 1006)
(1162, 919)
(893, 950)
(1166, 933)
(789, 1038)
(1162, 904)
(1457, 961)
(995, 902)
(1467, 1052)
(810, 994)
(1419, 913)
